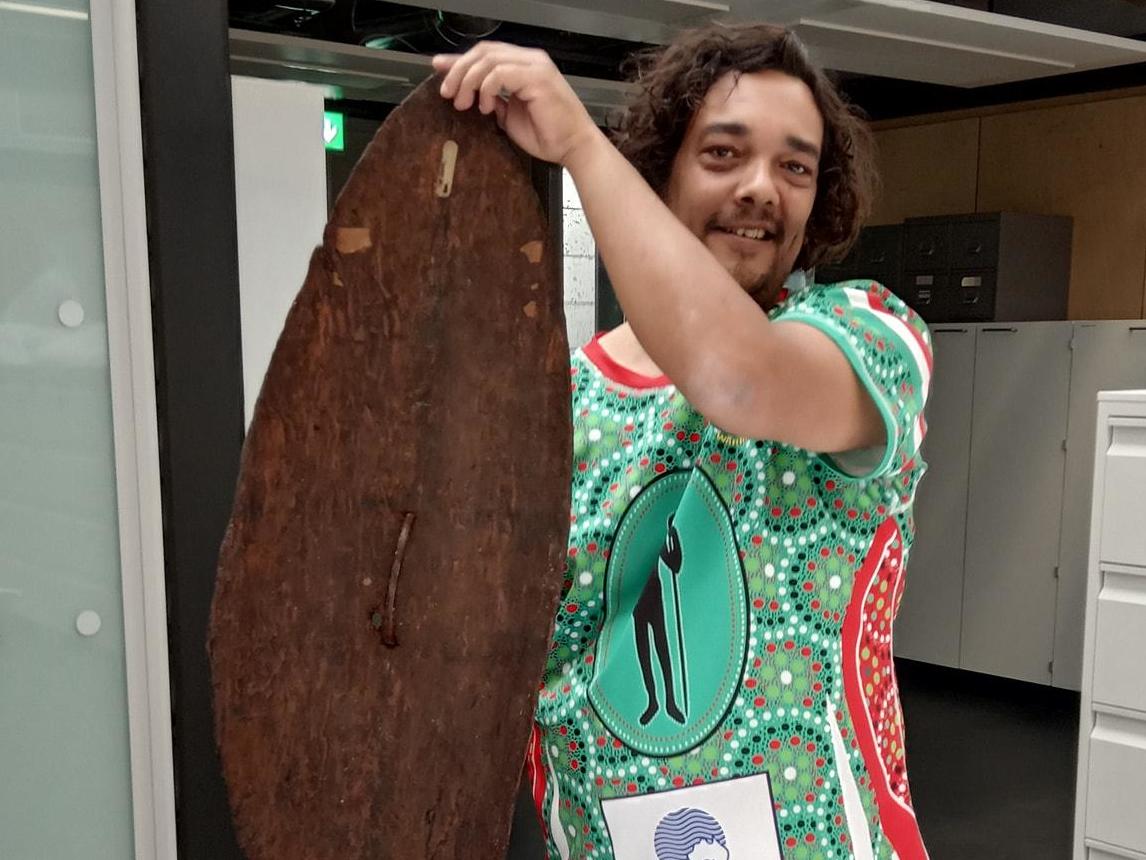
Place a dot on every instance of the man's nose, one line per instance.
(757, 185)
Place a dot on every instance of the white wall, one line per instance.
(580, 267)
(280, 201)
(280, 193)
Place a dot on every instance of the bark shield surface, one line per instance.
(387, 586)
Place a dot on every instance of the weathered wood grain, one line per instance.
(421, 385)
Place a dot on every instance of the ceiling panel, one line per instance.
(943, 44)
(370, 73)
(910, 40)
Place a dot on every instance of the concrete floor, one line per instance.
(991, 764)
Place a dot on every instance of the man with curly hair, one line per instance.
(772, 423)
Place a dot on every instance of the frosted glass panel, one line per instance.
(65, 788)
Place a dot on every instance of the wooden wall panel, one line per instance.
(927, 170)
(1087, 161)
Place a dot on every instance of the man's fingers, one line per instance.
(456, 66)
(466, 79)
(472, 82)
(491, 91)
(505, 80)
(442, 63)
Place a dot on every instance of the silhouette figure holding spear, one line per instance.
(651, 633)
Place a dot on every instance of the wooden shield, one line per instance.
(387, 587)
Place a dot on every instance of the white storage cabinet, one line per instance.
(1110, 811)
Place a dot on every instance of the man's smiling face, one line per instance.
(744, 178)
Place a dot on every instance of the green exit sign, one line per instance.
(333, 131)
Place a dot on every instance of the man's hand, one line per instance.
(533, 102)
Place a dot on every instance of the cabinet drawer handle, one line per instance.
(1001, 329)
(1127, 438)
(1120, 730)
(948, 331)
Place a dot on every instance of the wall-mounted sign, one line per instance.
(333, 130)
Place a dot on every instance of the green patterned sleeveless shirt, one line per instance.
(720, 683)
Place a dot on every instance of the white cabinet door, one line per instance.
(927, 627)
(1014, 505)
(1107, 356)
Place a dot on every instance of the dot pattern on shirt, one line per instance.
(804, 529)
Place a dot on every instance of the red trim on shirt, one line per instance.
(535, 773)
(877, 304)
(617, 372)
(897, 817)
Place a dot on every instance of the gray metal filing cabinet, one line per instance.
(877, 254)
(994, 267)
(1110, 811)
(987, 268)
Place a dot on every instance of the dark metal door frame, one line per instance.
(185, 92)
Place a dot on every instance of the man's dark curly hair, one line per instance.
(672, 83)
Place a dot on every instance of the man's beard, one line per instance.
(764, 289)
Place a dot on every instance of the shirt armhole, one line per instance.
(863, 464)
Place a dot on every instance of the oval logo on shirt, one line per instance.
(671, 650)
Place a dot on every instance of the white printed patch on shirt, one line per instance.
(730, 820)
